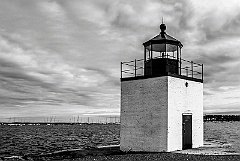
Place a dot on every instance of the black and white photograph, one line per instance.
(134, 80)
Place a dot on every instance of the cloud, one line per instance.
(65, 55)
(48, 79)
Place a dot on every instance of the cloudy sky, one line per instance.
(62, 57)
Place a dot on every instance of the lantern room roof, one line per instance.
(162, 39)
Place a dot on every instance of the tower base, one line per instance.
(153, 114)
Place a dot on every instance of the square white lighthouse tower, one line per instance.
(161, 99)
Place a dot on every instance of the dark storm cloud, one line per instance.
(4, 100)
(232, 26)
(13, 71)
(217, 59)
(229, 29)
(101, 71)
(110, 80)
(63, 94)
(206, 93)
(7, 64)
(218, 70)
(215, 64)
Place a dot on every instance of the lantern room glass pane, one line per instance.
(162, 47)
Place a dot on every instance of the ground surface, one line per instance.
(160, 157)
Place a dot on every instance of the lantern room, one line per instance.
(162, 57)
(162, 54)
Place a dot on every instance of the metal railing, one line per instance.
(191, 69)
(186, 68)
(132, 68)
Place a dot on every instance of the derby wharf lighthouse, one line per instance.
(161, 99)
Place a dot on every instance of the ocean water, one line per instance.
(223, 132)
(41, 139)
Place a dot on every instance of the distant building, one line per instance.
(161, 99)
(221, 117)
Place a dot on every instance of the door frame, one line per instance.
(189, 145)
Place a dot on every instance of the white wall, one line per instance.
(144, 115)
(182, 99)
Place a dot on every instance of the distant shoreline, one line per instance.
(205, 118)
(221, 117)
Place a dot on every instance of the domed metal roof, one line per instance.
(163, 42)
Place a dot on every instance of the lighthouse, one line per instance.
(161, 99)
